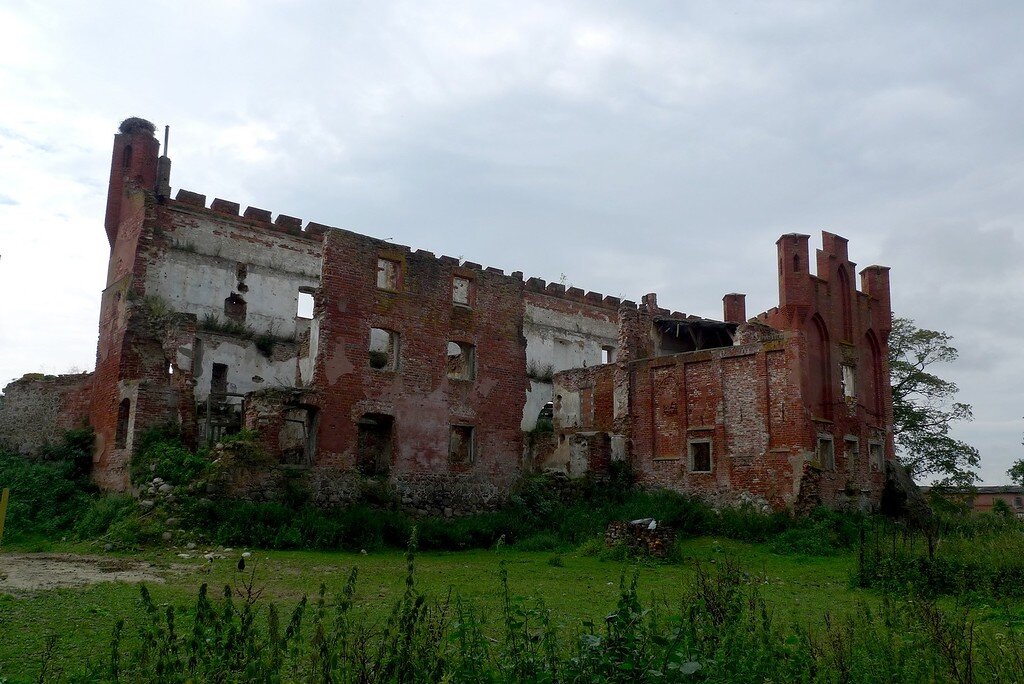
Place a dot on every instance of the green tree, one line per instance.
(924, 406)
(1016, 472)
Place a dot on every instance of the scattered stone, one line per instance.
(184, 555)
(165, 488)
(108, 547)
(190, 546)
(172, 522)
(448, 512)
(166, 536)
(246, 554)
(147, 504)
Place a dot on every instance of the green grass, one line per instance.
(801, 589)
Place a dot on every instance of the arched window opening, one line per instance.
(872, 354)
(821, 369)
(126, 157)
(796, 263)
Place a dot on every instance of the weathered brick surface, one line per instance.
(763, 403)
(36, 409)
(420, 397)
(178, 266)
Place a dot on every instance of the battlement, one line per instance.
(252, 216)
(573, 294)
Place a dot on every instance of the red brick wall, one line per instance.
(423, 401)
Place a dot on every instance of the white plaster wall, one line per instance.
(565, 341)
(272, 251)
(244, 363)
(199, 284)
(560, 341)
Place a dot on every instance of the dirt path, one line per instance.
(23, 573)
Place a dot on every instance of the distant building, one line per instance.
(983, 499)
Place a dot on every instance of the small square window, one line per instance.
(607, 354)
(383, 349)
(700, 455)
(826, 453)
(849, 381)
(877, 455)
(388, 274)
(460, 445)
(461, 290)
(1018, 502)
(461, 361)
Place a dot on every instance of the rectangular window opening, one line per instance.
(304, 308)
(461, 361)
(700, 455)
(219, 379)
(388, 274)
(826, 453)
(374, 444)
(124, 412)
(383, 349)
(460, 445)
(849, 380)
(461, 290)
(607, 354)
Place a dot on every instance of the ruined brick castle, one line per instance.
(356, 359)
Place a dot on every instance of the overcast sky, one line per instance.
(620, 147)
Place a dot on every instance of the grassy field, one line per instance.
(800, 589)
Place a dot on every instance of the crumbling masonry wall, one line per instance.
(426, 374)
(36, 409)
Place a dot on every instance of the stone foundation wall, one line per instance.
(638, 536)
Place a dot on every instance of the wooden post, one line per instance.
(3, 511)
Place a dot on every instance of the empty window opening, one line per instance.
(849, 380)
(170, 368)
(383, 349)
(607, 354)
(460, 445)
(700, 455)
(1018, 502)
(825, 455)
(388, 273)
(877, 455)
(297, 436)
(234, 308)
(460, 290)
(851, 448)
(461, 361)
(796, 263)
(124, 412)
(219, 379)
(374, 444)
(126, 157)
(305, 305)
